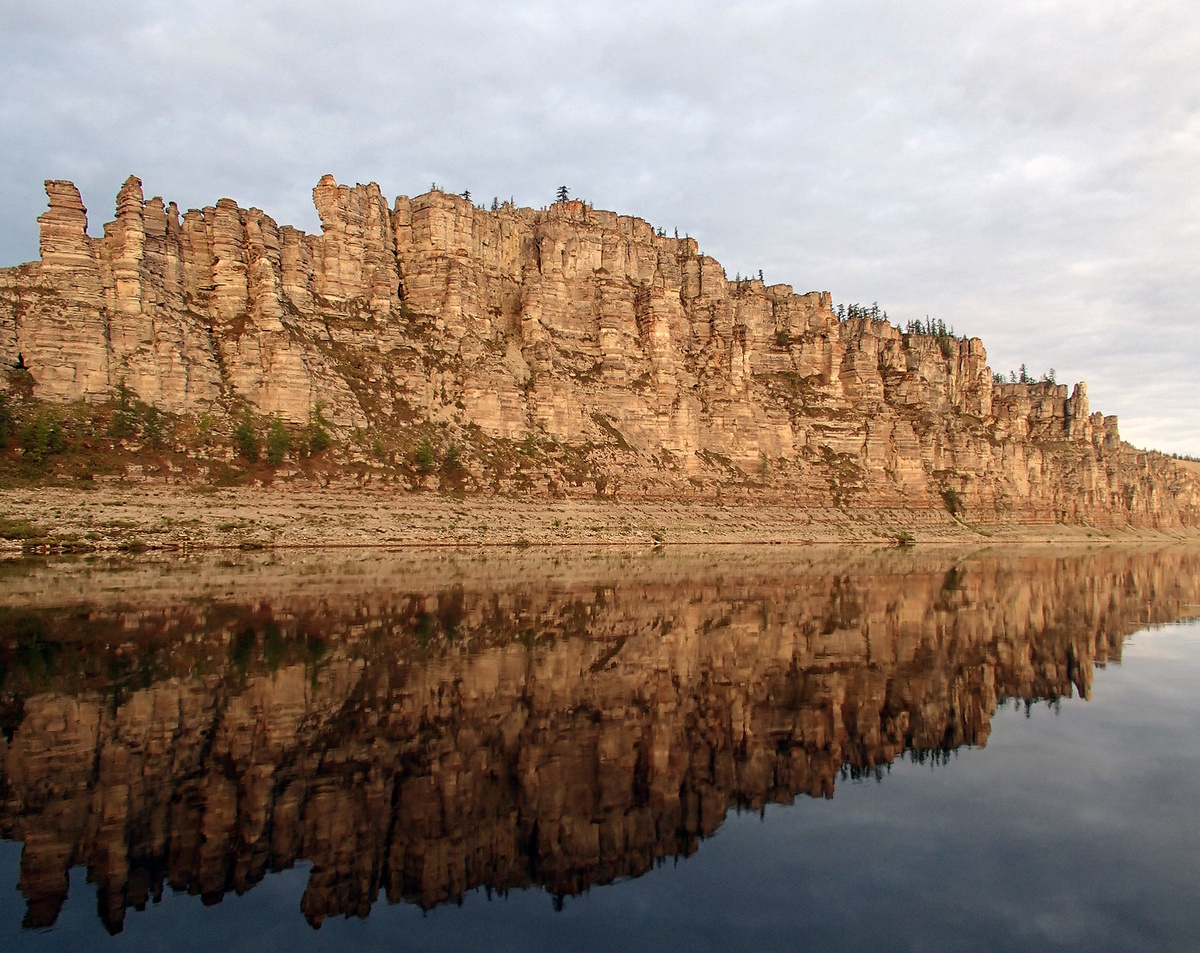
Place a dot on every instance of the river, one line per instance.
(733, 748)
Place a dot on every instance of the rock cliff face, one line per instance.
(567, 323)
(423, 742)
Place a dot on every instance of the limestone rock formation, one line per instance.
(422, 741)
(569, 324)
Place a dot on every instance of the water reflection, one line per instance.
(420, 726)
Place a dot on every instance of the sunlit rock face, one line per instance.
(570, 323)
(418, 740)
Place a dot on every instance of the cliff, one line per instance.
(626, 355)
(419, 738)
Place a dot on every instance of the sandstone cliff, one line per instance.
(422, 740)
(629, 354)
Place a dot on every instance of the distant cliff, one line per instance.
(627, 355)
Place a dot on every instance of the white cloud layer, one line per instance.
(1026, 171)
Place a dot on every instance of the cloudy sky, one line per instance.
(1028, 172)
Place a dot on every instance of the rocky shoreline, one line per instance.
(165, 517)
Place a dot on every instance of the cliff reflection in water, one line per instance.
(198, 726)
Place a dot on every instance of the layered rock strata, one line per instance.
(422, 743)
(569, 324)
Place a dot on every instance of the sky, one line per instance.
(1027, 172)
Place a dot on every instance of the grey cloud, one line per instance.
(1025, 171)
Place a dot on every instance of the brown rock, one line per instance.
(566, 322)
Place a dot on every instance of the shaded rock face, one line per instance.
(566, 322)
(423, 742)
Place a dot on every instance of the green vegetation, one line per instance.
(245, 438)
(939, 330)
(152, 425)
(122, 423)
(853, 312)
(8, 421)
(42, 437)
(424, 457)
(17, 529)
(278, 441)
(934, 328)
(1022, 376)
(318, 429)
(80, 442)
(954, 502)
(607, 426)
(132, 417)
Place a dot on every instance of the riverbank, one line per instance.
(138, 517)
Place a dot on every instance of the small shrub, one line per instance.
(278, 441)
(318, 429)
(452, 461)
(424, 457)
(245, 438)
(152, 426)
(8, 421)
(17, 529)
(43, 437)
(953, 501)
(903, 538)
(123, 419)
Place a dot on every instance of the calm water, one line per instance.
(734, 750)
